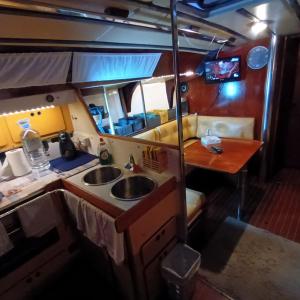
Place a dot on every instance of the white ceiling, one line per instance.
(222, 25)
(285, 20)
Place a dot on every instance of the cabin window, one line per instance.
(114, 103)
(115, 114)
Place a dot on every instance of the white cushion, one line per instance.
(227, 127)
(194, 203)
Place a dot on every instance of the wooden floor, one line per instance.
(279, 209)
(274, 206)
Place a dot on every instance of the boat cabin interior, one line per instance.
(149, 149)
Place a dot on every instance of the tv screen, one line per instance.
(223, 70)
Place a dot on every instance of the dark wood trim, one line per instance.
(124, 218)
(34, 90)
(74, 46)
(97, 84)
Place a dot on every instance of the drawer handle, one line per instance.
(163, 232)
(157, 237)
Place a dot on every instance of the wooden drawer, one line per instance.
(158, 241)
(29, 285)
(152, 274)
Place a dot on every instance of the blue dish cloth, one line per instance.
(64, 165)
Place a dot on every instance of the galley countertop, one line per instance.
(125, 212)
(20, 189)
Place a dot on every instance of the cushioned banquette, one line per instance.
(196, 127)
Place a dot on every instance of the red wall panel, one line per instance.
(243, 98)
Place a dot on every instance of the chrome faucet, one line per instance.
(130, 165)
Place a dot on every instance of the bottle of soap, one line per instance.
(105, 156)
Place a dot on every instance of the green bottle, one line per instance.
(105, 156)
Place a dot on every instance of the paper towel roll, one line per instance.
(18, 162)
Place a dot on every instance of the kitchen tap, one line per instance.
(131, 165)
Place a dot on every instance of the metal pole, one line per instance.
(111, 123)
(144, 106)
(183, 221)
(269, 95)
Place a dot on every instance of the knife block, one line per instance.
(157, 160)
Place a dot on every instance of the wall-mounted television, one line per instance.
(223, 69)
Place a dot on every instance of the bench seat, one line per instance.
(194, 203)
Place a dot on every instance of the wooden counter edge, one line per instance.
(129, 217)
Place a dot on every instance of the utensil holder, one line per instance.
(159, 164)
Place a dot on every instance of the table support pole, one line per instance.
(243, 189)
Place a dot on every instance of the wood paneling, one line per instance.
(188, 61)
(243, 98)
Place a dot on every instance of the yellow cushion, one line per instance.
(189, 124)
(164, 116)
(167, 133)
(149, 135)
(228, 127)
(194, 203)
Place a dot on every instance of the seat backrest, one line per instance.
(167, 133)
(189, 124)
(228, 127)
(149, 135)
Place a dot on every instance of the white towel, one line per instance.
(38, 217)
(5, 242)
(97, 226)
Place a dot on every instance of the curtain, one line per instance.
(89, 67)
(33, 69)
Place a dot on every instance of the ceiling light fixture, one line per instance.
(258, 27)
(25, 110)
(188, 73)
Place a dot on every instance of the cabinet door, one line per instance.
(154, 281)
(3, 136)
(156, 243)
(46, 122)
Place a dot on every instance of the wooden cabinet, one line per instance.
(28, 285)
(158, 241)
(153, 278)
(46, 121)
(150, 239)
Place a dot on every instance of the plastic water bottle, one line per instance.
(33, 146)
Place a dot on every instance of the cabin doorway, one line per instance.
(288, 138)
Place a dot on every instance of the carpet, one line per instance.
(249, 263)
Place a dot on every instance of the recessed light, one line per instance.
(258, 27)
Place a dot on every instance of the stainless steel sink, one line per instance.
(103, 175)
(133, 188)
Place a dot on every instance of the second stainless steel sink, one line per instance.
(102, 175)
(133, 188)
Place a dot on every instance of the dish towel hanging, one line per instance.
(37, 217)
(97, 226)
